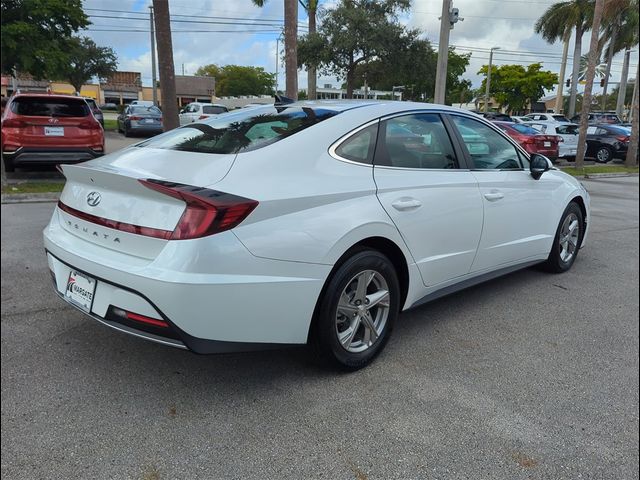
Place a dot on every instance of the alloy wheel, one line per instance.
(569, 236)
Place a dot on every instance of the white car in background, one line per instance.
(315, 222)
(196, 111)
(567, 131)
(548, 117)
(517, 119)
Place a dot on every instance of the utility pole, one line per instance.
(632, 151)
(291, 47)
(488, 85)
(622, 88)
(167, 69)
(443, 54)
(277, 61)
(154, 80)
(563, 67)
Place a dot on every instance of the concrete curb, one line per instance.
(30, 197)
(608, 175)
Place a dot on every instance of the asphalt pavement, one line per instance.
(530, 376)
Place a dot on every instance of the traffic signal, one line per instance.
(568, 82)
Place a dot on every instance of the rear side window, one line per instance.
(213, 110)
(240, 131)
(50, 107)
(359, 147)
(415, 141)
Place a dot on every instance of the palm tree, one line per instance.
(600, 68)
(312, 9)
(557, 23)
(290, 45)
(619, 32)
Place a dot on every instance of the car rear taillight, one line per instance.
(529, 140)
(14, 123)
(135, 117)
(136, 317)
(622, 138)
(90, 123)
(207, 211)
(202, 117)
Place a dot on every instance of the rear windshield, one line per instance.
(213, 110)
(240, 131)
(519, 127)
(50, 107)
(560, 118)
(617, 130)
(141, 110)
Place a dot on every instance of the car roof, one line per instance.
(390, 106)
(46, 95)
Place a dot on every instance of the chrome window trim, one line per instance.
(341, 140)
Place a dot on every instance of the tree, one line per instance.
(36, 34)
(620, 31)
(290, 45)
(517, 86)
(591, 71)
(356, 32)
(165, 65)
(234, 80)
(85, 61)
(311, 6)
(632, 152)
(557, 22)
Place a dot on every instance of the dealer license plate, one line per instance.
(54, 131)
(547, 144)
(148, 120)
(80, 290)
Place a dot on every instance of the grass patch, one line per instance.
(110, 124)
(587, 170)
(33, 187)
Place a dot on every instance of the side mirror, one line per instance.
(182, 110)
(538, 165)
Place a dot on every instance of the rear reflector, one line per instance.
(207, 211)
(136, 317)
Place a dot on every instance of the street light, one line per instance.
(486, 95)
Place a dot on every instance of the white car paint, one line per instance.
(568, 131)
(547, 117)
(259, 282)
(197, 111)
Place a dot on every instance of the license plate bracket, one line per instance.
(80, 290)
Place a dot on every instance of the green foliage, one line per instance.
(36, 35)
(234, 80)
(356, 32)
(515, 85)
(87, 60)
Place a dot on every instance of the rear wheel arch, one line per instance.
(382, 245)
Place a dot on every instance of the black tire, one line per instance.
(324, 332)
(555, 263)
(126, 132)
(603, 154)
(8, 165)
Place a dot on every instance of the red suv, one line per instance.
(41, 129)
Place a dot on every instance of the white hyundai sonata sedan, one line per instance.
(314, 223)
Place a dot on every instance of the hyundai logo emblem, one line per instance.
(93, 199)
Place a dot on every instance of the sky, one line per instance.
(238, 32)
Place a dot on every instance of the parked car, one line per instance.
(606, 142)
(598, 117)
(567, 131)
(41, 129)
(199, 111)
(221, 236)
(495, 116)
(140, 119)
(95, 110)
(532, 140)
(547, 117)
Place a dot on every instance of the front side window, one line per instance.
(241, 131)
(415, 141)
(486, 147)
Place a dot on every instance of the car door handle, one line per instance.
(494, 196)
(406, 204)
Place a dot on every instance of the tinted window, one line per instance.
(560, 118)
(415, 141)
(518, 127)
(50, 107)
(147, 110)
(567, 129)
(241, 131)
(616, 130)
(487, 148)
(359, 147)
(213, 110)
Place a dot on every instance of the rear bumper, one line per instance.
(49, 156)
(215, 297)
